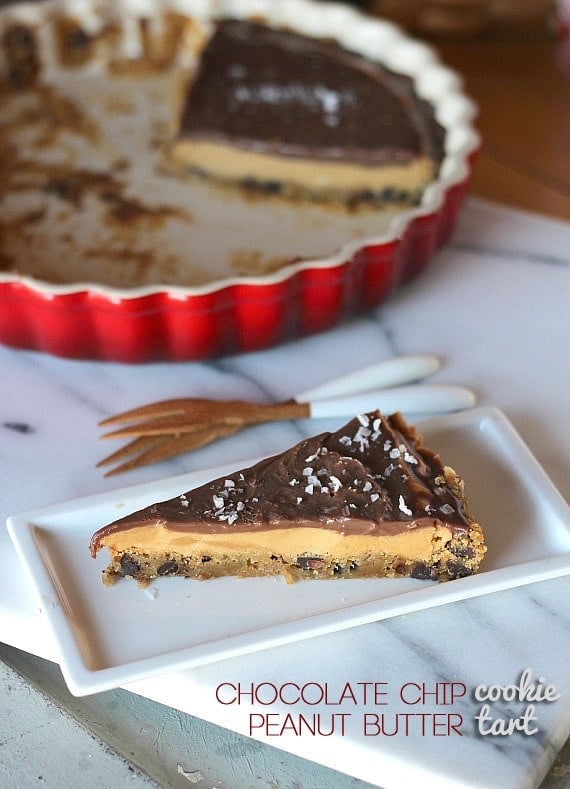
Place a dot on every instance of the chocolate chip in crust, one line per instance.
(424, 572)
(309, 562)
(168, 568)
(457, 570)
(129, 566)
(463, 552)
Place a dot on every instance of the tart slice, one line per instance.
(368, 500)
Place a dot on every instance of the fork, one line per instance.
(161, 430)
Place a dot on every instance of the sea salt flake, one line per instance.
(387, 445)
(388, 470)
(395, 453)
(410, 459)
(185, 502)
(240, 506)
(312, 480)
(307, 471)
(294, 482)
(335, 483)
(229, 483)
(367, 486)
(324, 489)
(376, 424)
(363, 419)
(345, 441)
(299, 499)
(447, 509)
(321, 472)
(361, 437)
(403, 507)
(309, 489)
(374, 497)
(230, 517)
(311, 457)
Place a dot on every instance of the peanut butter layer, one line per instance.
(282, 539)
(226, 164)
(369, 497)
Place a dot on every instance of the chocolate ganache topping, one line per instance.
(373, 476)
(275, 91)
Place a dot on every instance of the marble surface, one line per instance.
(494, 307)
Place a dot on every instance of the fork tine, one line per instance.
(153, 454)
(170, 446)
(172, 426)
(201, 410)
(162, 408)
(138, 445)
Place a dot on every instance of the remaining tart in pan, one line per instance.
(369, 500)
(285, 114)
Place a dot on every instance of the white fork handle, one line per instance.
(392, 372)
(413, 399)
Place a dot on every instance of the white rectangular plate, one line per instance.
(109, 637)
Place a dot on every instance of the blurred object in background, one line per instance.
(470, 17)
